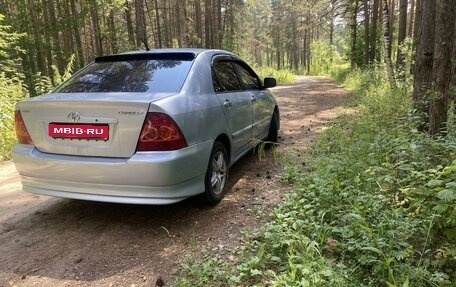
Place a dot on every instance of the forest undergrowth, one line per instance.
(375, 205)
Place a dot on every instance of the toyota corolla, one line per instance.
(148, 127)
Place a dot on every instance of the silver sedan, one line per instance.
(148, 127)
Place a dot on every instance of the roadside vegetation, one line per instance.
(283, 76)
(374, 205)
(12, 90)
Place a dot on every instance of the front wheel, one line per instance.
(216, 174)
(273, 133)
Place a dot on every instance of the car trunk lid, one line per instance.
(95, 124)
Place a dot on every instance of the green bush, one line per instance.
(325, 58)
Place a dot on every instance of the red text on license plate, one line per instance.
(79, 131)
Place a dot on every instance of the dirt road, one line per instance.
(48, 241)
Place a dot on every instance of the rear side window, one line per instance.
(226, 76)
(158, 75)
(248, 78)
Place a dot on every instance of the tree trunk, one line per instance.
(207, 24)
(40, 55)
(141, 34)
(68, 40)
(392, 19)
(294, 45)
(219, 32)
(96, 36)
(277, 49)
(48, 47)
(171, 25)
(387, 29)
(411, 19)
(198, 24)
(424, 57)
(112, 32)
(453, 80)
(416, 22)
(354, 34)
(331, 23)
(309, 36)
(77, 35)
(186, 25)
(443, 49)
(402, 33)
(55, 35)
(130, 31)
(180, 25)
(167, 24)
(150, 19)
(157, 17)
(366, 32)
(215, 24)
(373, 36)
(387, 36)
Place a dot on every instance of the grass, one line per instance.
(376, 206)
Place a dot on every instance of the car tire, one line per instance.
(273, 133)
(216, 175)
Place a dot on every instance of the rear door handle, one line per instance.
(227, 104)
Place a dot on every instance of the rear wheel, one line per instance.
(216, 174)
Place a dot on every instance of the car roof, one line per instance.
(170, 53)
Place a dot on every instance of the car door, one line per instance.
(237, 104)
(261, 106)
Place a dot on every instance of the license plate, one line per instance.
(78, 131)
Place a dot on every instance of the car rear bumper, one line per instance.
(145, 178)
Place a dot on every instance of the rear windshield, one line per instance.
(139, 75)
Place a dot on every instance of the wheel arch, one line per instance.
(223, 138)
(277, 112)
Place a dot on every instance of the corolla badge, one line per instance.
(74, 116)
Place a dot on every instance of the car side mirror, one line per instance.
(269, 83)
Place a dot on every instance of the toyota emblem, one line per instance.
(74, 116)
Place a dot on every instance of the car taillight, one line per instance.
(22, 134)
(160, 133)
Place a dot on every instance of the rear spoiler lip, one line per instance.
(181, 56)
